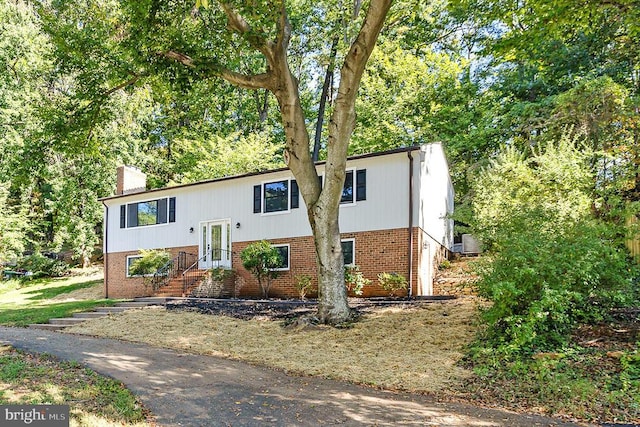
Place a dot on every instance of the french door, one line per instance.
(215, 244)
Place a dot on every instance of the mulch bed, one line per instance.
(281, 309)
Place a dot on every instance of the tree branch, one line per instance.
(258, 81)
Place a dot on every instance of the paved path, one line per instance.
(191, 390)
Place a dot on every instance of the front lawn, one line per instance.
(23, 302)
(94, 400)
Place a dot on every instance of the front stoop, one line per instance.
(61, 323)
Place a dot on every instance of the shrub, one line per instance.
(39, 265)
(392, 282)
(261, 259)
(304, 285)
(150, 262)
(354, 280)
(552, 264)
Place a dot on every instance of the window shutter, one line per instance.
(257, 198)
(123, 210)
(132, 215)
(161, 214)
(172, 209)
(295, 194)
(361, 184)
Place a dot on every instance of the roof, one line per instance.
(227, 178)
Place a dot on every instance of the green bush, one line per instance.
(150, 262)
(552, 264)
(39, 265)
(304, 285)
(354, 280)
(261, 259)
(392, 282)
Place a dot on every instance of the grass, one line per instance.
(37, 301)
(402, 348)
(94, 400)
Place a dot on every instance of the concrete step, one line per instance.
(48, 326)
(133, 304)
(66, 321)
(152, 300)
(89, 315)
(111, 309)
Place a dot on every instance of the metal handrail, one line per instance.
(192, 273)
(170, 270)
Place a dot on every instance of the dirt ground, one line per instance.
(402, 346)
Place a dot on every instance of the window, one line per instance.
(348, 251)
(276, 196)
(284, 256)
(151, 212)
(130, 260)
(354, 191)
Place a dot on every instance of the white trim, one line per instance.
(126, 213)
(353, 187)
(263, 202)
(126, 266)
(288, 246)
(353, 249)
(227, 230)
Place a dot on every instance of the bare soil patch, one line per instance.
(413, 347)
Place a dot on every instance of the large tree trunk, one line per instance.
(323, 204)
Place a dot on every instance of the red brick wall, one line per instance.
(118, 285)
(375, 252)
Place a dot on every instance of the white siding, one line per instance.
(386, 207)
(436, 195)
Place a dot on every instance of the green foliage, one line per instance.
(552, 263)
(354, 280)
(42, 379)
(13, 223)
(582, 383)
(262, 259)
(41, 266)
(304, 285)
(150, 262)
(392, 282)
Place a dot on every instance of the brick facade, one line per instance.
(375, 252)
(118, 285)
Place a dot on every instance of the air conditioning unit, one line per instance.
(470, 245)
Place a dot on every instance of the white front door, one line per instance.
(215, 244)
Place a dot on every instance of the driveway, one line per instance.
(192, 390)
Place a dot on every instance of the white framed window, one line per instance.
(355, 187)
(130, 260)
(149, 212)
(284, 257)
(348, 251)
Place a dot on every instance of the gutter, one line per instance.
(105, 252)
(410, 228)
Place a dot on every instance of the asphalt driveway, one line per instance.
(192, 390)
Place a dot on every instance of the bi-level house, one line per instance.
(394, 217)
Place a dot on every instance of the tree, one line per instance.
(553, 264)
(246, 44)
(262, 260)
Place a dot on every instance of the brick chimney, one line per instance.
(130, 180)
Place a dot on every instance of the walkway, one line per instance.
(192, 390)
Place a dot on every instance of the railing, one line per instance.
(172, 269)
(215, 258)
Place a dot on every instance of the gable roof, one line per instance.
(228, 178)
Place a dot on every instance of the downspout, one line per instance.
(410, 228)
(105, 253)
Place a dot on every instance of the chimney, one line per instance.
(130, 180)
